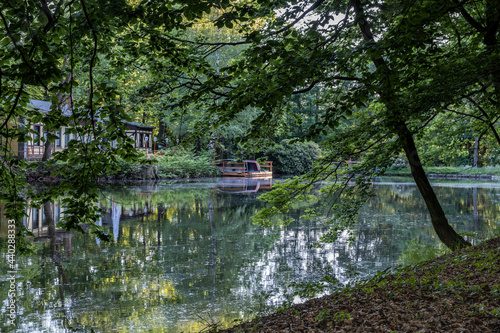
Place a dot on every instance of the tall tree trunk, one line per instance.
(213, 136)
(47, 152)
(211, 145)
(443, 229)
(491, 39)
(475, 162)
(161, 131)
(441, 226)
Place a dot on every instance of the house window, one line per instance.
(44, 219)
(66, 139)
(34, 215)
(58, 140)
(146, 139)
(57, 213)
(36, 136)
(140, 140)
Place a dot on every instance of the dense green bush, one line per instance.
(293, 158)
(173, 163)
(181, 163)
(127, 169)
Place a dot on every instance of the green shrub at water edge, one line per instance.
(181, 163)
(174, 163)
(293, 158)
(128, 169)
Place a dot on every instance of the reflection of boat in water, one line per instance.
(246, 168)
(244, 185)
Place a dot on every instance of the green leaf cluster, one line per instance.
(293, 158)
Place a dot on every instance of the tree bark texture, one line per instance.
(438, 218)
(47, 151)
(443, 229)
(475, 162)
(161, 132)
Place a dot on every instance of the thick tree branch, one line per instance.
(298, 19)
(308, 88)
(476, 25)
(465, 114)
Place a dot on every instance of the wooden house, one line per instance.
(141, 134)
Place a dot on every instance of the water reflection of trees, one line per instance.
(462, 205)
(177, 253)
(469, 209)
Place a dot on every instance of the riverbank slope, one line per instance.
(458, 292)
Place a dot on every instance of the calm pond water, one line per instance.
(185, 254)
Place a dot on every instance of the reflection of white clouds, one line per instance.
(115, 217)
(290, 259)
(99, 223)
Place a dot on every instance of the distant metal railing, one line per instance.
(37, 151)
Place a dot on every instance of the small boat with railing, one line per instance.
(245, 168)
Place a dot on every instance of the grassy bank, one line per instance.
(457, 292)
(463, 170)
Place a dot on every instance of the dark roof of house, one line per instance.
(44, 107)
(134, 123)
